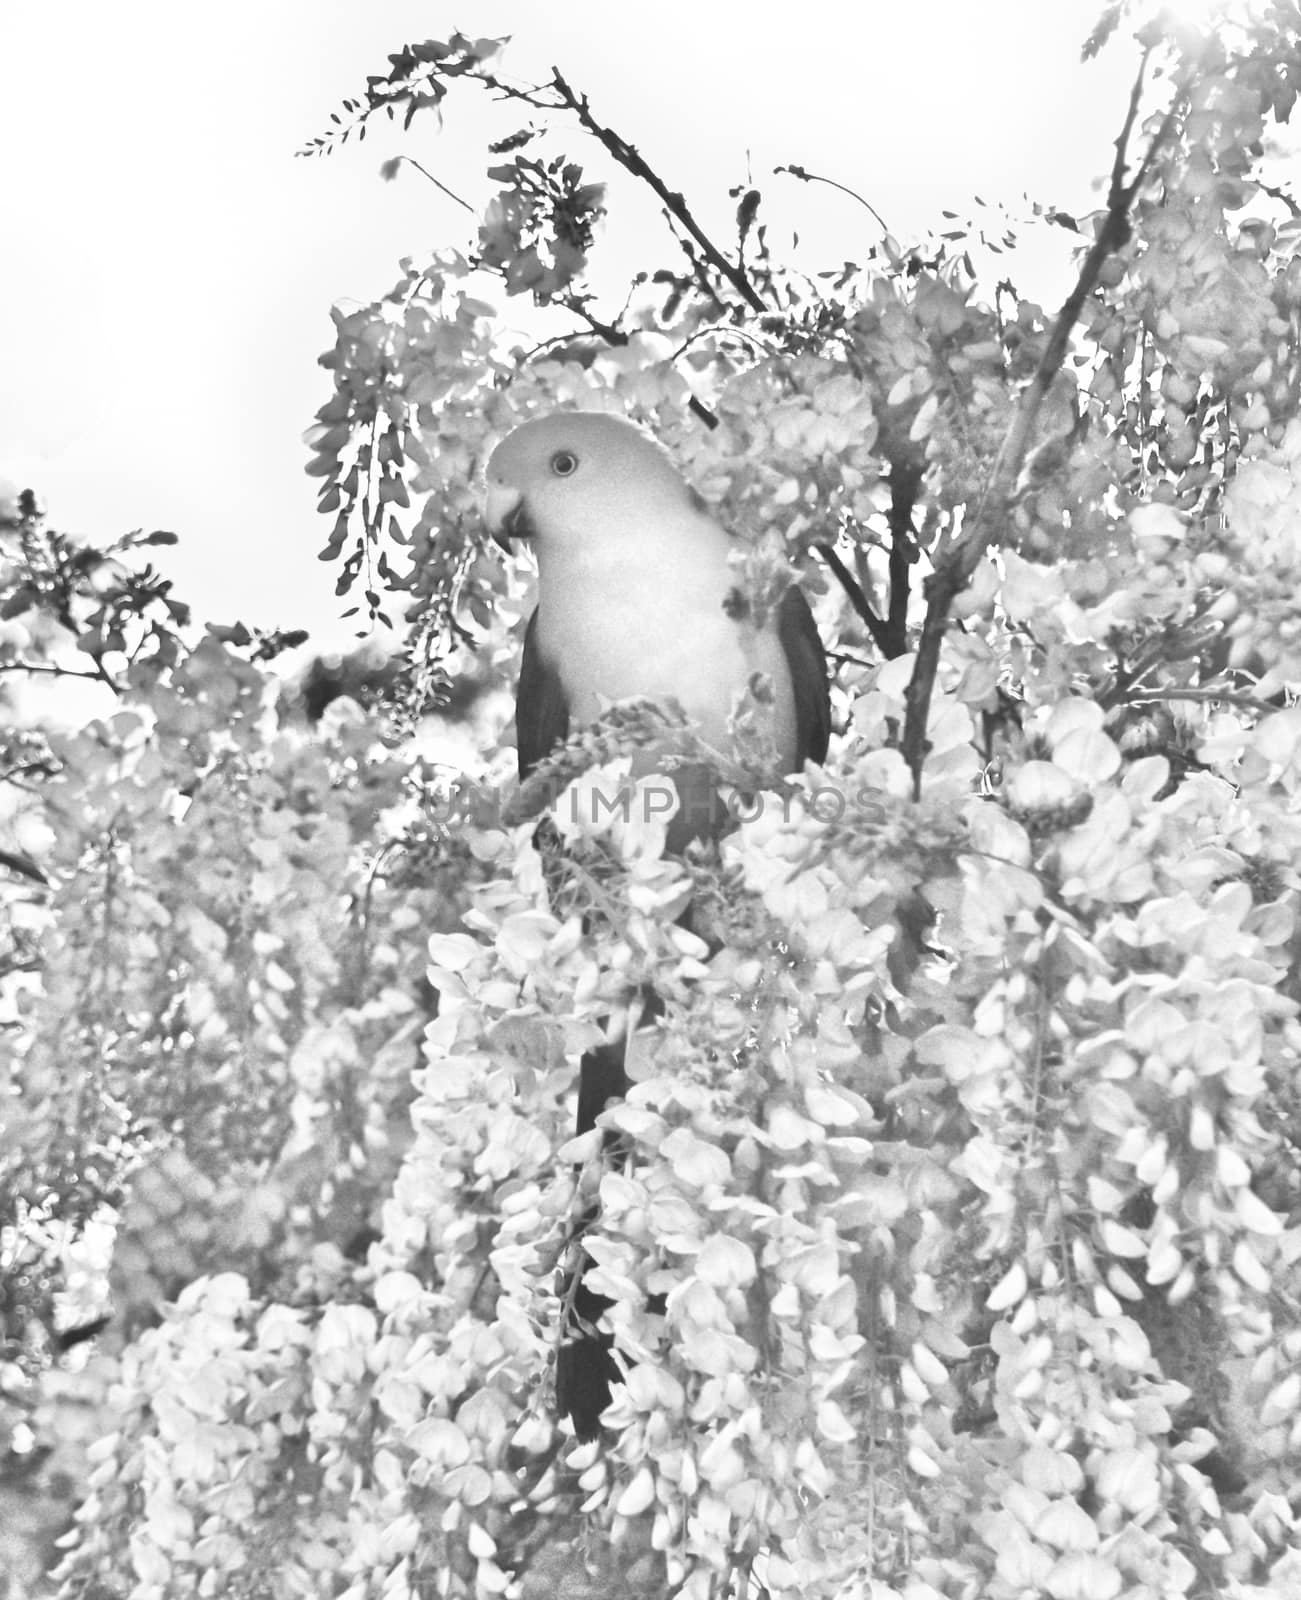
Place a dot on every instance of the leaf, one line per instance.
(997, 835)
(834, 1425)
(1104, 1196)
(22, 864)
(638, 1496)
(1088, 756)
(788, 1131)
(653, 1388)
(901, 391)
(1157, 525)
(150, 1564)
(1053, 1472)
(1122, 1284)
(1128, 1478)
(523, 938)
(1283, 1401)
(439, 1441)
(1254, 1214)
(1019, 1561)
(1009, 1290)
(1144, 779)
(694, 1162)
(930, 1369)
(1040, 785)
(833, 1107)
(396, 1290)
(1080, 1575)
(1121, 1241)
(1164, 1262)
(1249, 1267)
(925, 418)
(480, 1543)
(950, 1046)
(1066, 1525)
(726, 1263)
(488, 1576)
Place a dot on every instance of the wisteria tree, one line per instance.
(951, 1230)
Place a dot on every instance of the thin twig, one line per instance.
(1217, 697)
(805, 176)
(97, 676)
(845, 659)
(743, 335)
(607, 330)
(437, 183)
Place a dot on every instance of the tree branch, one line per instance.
(954, 568)
(857, 599)
(631, 161)
(24, 865)
(905, 481)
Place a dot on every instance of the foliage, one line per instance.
(211, 996)
(953, 1224)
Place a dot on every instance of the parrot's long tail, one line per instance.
(585, 1368)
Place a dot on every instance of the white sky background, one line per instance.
(168, 265)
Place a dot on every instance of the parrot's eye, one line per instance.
(564, 463)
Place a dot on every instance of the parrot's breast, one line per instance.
(652, 624)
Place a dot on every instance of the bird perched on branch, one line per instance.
(637, 599)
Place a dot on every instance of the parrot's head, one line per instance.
(579, 475)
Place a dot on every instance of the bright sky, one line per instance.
(168, 266)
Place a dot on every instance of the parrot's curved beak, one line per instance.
(505, 515)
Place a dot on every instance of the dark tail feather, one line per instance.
(585, 1368)
(601, 1079)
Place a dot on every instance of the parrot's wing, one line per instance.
(806, 661)
(541, 705)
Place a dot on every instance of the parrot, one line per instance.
(636, 598)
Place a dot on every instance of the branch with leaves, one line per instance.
(418, 80)
(991, 519)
